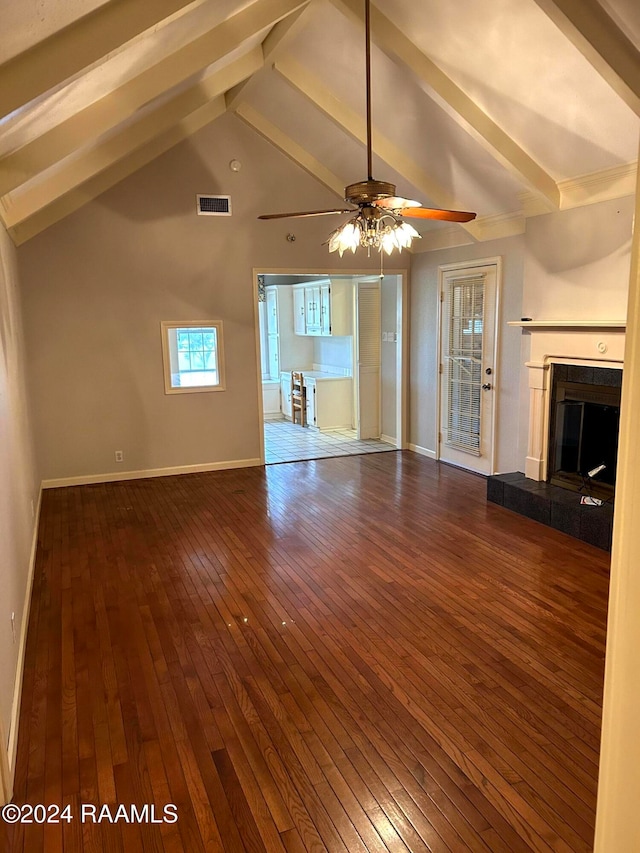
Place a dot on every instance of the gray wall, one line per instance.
(98, 284)
(19, 481)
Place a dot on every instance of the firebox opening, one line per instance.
(584, 426)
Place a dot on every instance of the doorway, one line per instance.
(353, 370)
(467, 357)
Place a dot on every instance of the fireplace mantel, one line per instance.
(589, 343)
(614, 325)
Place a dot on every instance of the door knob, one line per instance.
(486, 386)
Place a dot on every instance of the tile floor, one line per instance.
(287, 442)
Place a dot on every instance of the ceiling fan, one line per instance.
(379, 213)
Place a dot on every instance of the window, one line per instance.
(193, 357)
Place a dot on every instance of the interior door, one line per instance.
(468, 351)
(368, 359)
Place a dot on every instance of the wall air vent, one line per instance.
(214, 205)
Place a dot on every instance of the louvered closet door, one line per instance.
(467, 367)
(368, 359)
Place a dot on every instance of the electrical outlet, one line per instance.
(13, 626)
(119, 456)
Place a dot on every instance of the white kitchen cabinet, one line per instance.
(312, 309)
(329, 399)
(285, 394)
(271, 407)
(271, 305)
(299, 318)
(285, 350)
(332, 406)
(274, 357)
(323, 308)
(340, 307)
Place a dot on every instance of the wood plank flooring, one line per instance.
(354, 654)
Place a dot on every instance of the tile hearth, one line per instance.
(554, 506)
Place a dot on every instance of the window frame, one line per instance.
(167, 326)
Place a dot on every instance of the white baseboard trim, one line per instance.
(423, 451)
(12, 747)
(90, 479)
(389, 439)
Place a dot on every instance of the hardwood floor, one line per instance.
(353, 654)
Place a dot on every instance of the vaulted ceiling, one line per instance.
(510, 108)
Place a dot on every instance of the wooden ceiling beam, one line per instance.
(84, 42)
(21, 205)
(275, 42)
(291, 149)
(101, 182)
(454, 101)
(103, 115)
(596, 35)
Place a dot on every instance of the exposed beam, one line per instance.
(602, 42)
(117, 146)
(114, 108)
(275, 42)
(108, 178)
(59, 57)
(354, 124)
(290, 148)
(454, 101)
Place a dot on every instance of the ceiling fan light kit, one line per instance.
(379, 213)
(372, 228)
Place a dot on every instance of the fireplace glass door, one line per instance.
(584, 435)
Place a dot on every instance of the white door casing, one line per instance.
(468, 336)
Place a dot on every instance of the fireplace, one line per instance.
(574, 371)
(584, 421)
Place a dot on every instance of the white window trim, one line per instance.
(166, 327)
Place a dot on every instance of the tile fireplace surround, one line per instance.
(581, 343)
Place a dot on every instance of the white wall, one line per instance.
(98, 284)
(334, 352)
(19, 484)
(423, 318)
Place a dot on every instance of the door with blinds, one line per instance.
(468, 351)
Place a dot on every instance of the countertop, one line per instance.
(318, 374)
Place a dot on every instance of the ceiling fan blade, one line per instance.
(431, 213)
(307, 213)
(396, 202)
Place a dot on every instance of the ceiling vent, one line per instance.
(214, 205)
